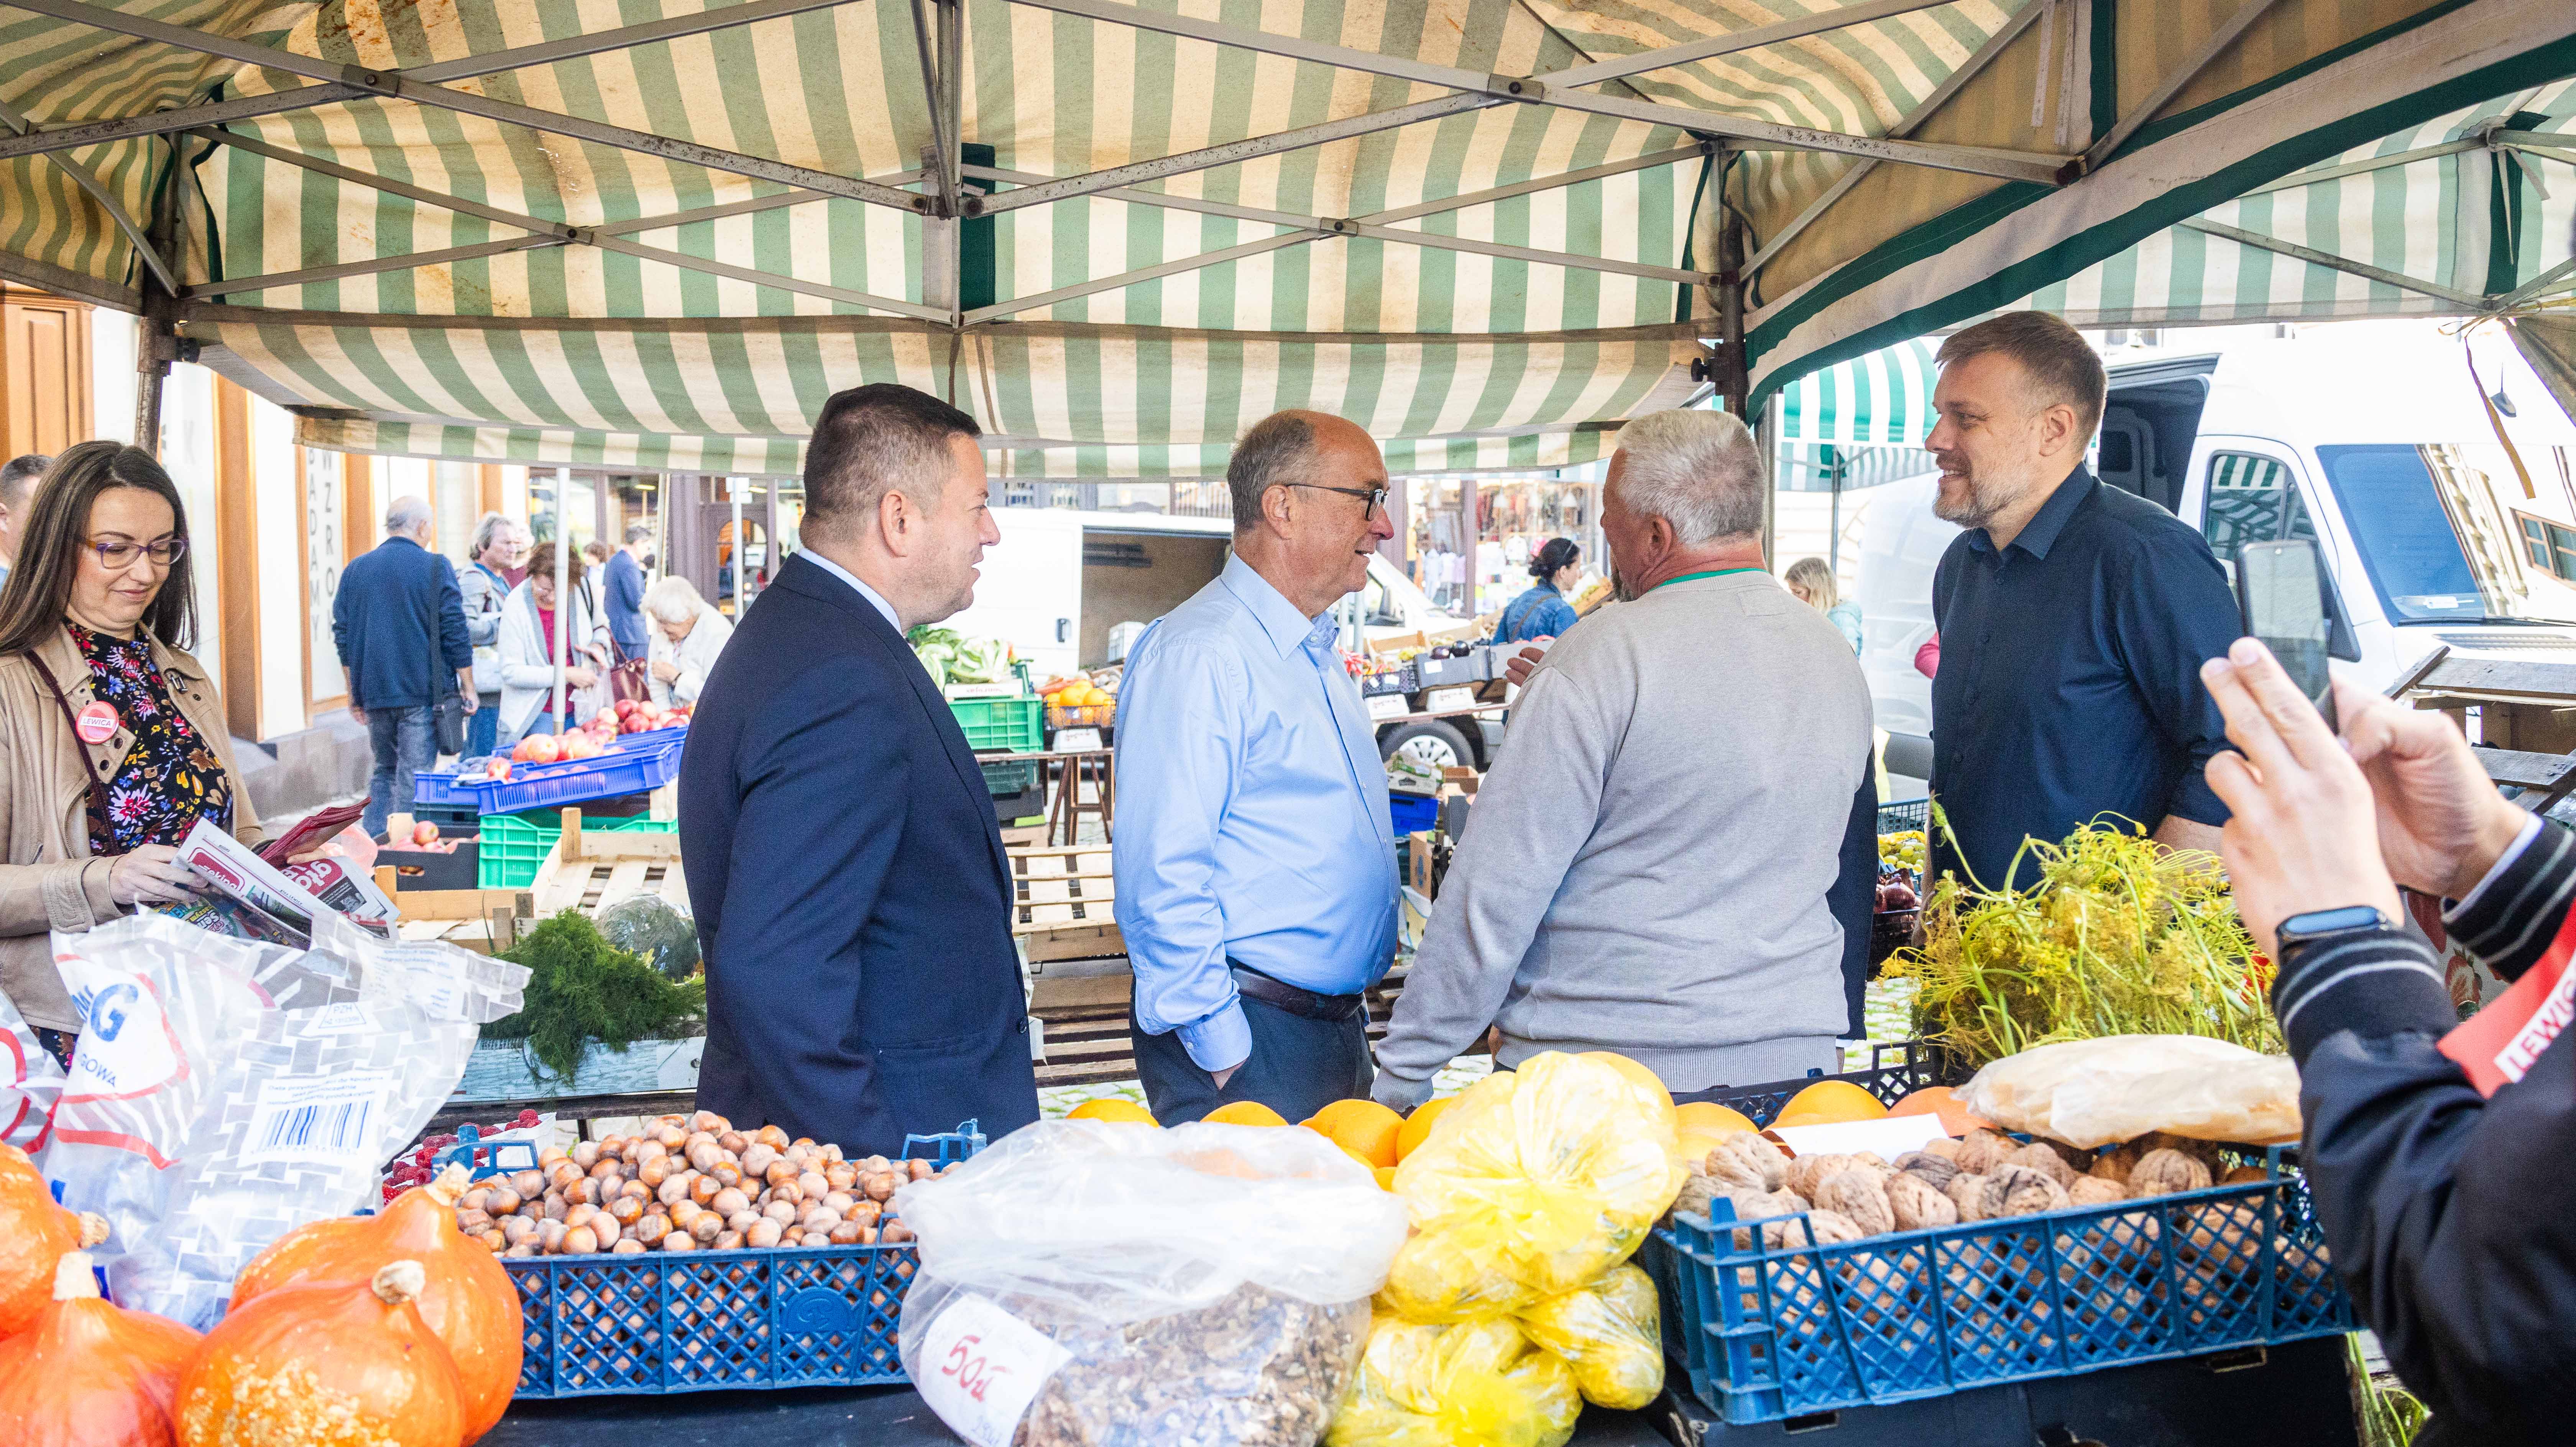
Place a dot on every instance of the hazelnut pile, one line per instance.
(688, 1183)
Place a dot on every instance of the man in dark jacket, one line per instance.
(853, 901)
(2447, 1210)
(399, 624)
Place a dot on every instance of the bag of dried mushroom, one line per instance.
(1099, 1284)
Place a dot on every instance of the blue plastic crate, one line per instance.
(438, 787)
(1412, 813)
(1773, 1333)
(700, 1321)
(604, 775)
(1899, 818)
(1895, 1071)
(662, 740)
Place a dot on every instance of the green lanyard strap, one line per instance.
(1711, 573)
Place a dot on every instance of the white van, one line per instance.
(1061, 581)
(2368, 437)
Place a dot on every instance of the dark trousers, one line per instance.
(405, 742)
(1297, 1066)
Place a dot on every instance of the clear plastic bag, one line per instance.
(1090, 1284)
(225, 1092)
(31, 1080)
(2091, 1093)
(1610, 1333)
(1473, 1384)
(1536, 1182)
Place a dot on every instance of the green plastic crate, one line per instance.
(1017, 724)
(514, 845)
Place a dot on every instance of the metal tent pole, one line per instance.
(563, 599)
(156, 343)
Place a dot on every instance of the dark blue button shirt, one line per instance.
(2070, 676)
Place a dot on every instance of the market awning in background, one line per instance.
(1490, 229)
(1881, 400)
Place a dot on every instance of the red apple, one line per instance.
(625, 706)
(424, 832)
(542, 749)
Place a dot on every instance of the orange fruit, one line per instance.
(1364, 1128)
(1417, 1126)
(1633, 1071)
(1112, 1108)
(1709, 1118)
(1245, 1112)
(1944, 1102)
(1386, 1178)
(1696, 1145)
(1829, 1102)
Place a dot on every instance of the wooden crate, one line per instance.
(590, 870)
(1063, 905)
(486, 921)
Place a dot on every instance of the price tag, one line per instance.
(981, 1367)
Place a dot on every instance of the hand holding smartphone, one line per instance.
(2281, 594)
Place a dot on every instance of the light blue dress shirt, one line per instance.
(1252, 815)
(845, 575)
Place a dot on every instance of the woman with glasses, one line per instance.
(112, 741)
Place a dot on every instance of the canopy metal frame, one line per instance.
(940, 193)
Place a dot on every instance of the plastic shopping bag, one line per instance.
(31, 1081)
(226, 1091)
(1611, 1333)
(1475, 1384)
(1090, 1284)
(1536, 1182)
(2097, 1092)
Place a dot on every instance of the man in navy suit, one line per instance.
(853, 901)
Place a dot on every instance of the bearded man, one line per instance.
(2073, 617)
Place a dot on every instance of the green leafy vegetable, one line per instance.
(581, 988)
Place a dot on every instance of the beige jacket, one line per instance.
(48, 880)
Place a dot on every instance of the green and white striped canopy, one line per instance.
(659, 233)
(1883, 399)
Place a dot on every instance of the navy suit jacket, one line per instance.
(853, 901)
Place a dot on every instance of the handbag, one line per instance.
(447, 721)
(629, 678)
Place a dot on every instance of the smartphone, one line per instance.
(2281, 590)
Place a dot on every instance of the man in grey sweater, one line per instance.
(1651, 855)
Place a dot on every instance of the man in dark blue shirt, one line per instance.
(626, 593)
(2073, 617)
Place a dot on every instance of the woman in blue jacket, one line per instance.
(1541, 611)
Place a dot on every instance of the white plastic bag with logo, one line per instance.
(31, 1080)
(225, 1092)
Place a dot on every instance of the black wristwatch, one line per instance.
(2320, 926)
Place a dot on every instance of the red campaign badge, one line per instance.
(96, 723)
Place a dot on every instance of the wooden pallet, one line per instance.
(590, 870)
(486, 921)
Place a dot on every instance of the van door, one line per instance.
(1029, 592)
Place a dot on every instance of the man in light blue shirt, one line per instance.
(1254, 856)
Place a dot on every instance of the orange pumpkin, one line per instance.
(469, 1300)
(90, 1374)
(1942, 1101)
(34, 1235)
(330, 1362)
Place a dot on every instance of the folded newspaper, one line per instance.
(287, 897)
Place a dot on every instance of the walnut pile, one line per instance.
(1254, 1369)
(2162, 1172)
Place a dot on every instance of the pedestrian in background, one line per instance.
(625, 593)
(688, 635)
(531, 665)
(1675, 854)
(1814, 584)
(594, 555)
(1254, 861)
(486, 585)
(399, 625)
(1541, 611)
(2073, 617)
(18, 478)
(112, 740)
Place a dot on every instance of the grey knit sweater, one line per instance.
(1647, 863)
